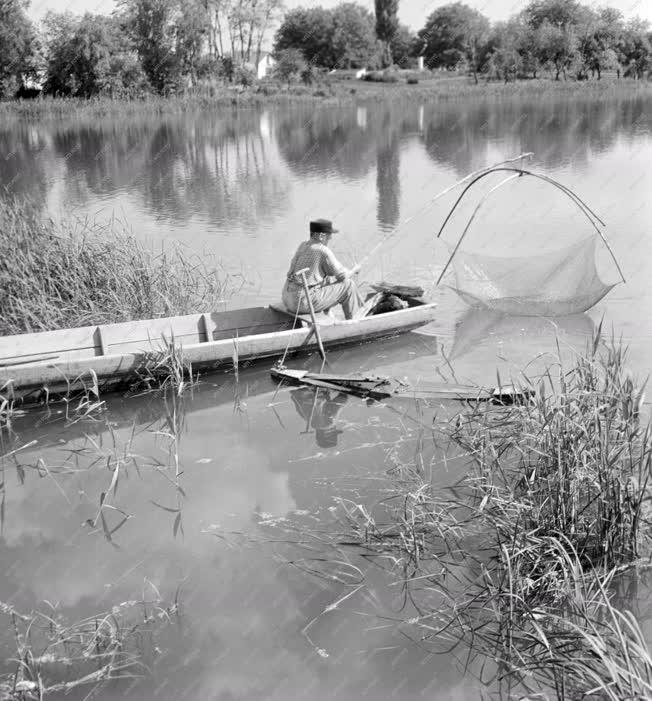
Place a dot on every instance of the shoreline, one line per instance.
(335, 92)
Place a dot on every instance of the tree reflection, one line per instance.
(334, 141)
(217, 167)
(23, 162)
(557, 130)
(349, 142)
(388, 183)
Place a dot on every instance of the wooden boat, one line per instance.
(59, 361)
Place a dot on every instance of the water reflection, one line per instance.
(388, 181)
(517, 346)
(327, 141)
(479, 327)
(557, 130)
(24, 164)
(319, 409)
(221, 168)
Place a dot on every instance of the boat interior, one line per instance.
(154, 334)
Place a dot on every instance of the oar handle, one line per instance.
(306, 289)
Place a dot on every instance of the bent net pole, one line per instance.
(468, 226)
(584, 208)
(581, 204)
(475, 173)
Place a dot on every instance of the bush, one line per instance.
(380, 77)
(244, 75)
(412, 81)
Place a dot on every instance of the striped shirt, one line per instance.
(320, 261)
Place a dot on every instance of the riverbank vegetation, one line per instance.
(330, 92)
(522, 568)
(67, 274)
(165, 47)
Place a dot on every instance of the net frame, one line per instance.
(516, 173)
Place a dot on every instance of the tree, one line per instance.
(354, 38)
(557, 47)
(290, 63)
(454, 34)
(557, 13)
(340, 38)
(18, 47)
(386, 27)
(310, 30)
(152, 28)
(191, 29)
(598, 35)
(502, 51)
(87, 56)
(634, 49)
(402, 46)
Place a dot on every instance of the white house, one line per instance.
(265, 65)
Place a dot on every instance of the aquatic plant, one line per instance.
(517, 566)
(575, 461)
(53, 655)
(167, 369)
(6, 405)
(59, 275)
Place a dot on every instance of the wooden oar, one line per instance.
(315, 326)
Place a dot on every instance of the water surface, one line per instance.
(243, 185)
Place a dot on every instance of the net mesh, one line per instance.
(565, 281)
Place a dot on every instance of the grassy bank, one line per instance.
(59, 275)
(331, 91)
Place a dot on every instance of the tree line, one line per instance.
(145, 46)
(164, 45)
(559, 37)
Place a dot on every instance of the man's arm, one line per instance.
(333, 268)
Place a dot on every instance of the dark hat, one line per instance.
(322, 226)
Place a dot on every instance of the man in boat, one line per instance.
(329, 282)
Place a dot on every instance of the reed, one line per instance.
(55, 656)
(519, 564)
(217, 96)
(165, 370)
(59, 275)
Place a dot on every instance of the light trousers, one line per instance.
(323, 297)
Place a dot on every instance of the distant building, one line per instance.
(265, 65)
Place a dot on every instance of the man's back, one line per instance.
(320, 261)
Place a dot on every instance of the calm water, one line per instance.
(243, 186)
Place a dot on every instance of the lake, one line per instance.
(210, 480)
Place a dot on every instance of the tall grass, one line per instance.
(331, 89)
(518, 565)
(59, 275)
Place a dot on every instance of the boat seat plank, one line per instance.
(322, 319)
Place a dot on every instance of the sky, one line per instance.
(411, 12)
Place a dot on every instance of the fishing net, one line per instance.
(565, 281)
(557, 283)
